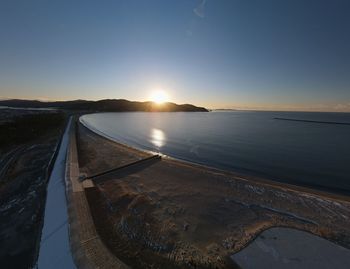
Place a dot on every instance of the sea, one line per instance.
(313, 152)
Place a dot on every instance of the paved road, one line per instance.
(54, 246)
(292, 249)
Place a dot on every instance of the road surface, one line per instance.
(54, 246)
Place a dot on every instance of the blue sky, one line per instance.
(262, 54)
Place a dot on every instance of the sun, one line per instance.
(159, 97)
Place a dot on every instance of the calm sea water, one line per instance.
(253, 143)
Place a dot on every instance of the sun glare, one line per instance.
(159, 97)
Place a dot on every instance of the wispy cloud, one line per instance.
(200, 9)
(317, 107)
(199, 12)
(342, 107)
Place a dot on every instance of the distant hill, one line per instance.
(106, 105)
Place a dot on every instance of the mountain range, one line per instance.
(106, 105)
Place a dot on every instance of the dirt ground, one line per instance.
(24, 171)
(170, 214)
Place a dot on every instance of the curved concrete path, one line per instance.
(54, 246)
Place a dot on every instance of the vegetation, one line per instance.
(26, 128)
(108, 105)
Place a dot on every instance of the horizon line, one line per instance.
(267, 109)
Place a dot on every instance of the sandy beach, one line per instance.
(176, 214)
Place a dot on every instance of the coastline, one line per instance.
(273, 204)
(283, 185)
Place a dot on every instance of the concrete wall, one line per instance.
(87, 247)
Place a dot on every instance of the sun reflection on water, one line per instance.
(158, 137)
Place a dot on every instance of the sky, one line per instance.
(242, 54)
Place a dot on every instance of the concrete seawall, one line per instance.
(87, 248)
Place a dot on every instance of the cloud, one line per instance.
(342, 107)
(317, 107)
(200, 9)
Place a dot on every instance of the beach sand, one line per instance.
(172, 214)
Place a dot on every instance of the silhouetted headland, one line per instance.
(106, 105)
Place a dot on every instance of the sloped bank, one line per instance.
(87, 248)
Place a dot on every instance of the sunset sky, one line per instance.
(262, 54)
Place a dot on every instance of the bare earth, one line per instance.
(170, 214)
(25, 166)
